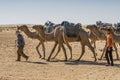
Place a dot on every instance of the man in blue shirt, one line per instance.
(20, 45)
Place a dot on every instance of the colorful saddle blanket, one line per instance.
(71, 29)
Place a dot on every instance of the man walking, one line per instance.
(20, 45)
(109, 48)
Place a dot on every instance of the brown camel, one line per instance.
(57, 36)
(82, 36)
(101, 36)
(33, 35)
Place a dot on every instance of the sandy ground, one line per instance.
(38, 69)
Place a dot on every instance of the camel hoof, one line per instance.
(53, 58)
(95, 60)
(77, 60)
(100, 59)
(43, 58)
(40, 56)
(48, 59)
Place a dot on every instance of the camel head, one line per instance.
(92, 27)
(22, 28)
(38, 28)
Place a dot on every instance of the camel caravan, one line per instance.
(66, 32)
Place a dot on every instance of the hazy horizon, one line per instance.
(76, 11)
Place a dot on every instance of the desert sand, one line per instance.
(57, 69)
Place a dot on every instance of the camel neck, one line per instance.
(99, 34)
(52, 35)
(46, 36)
(49, 36)
(28, 33)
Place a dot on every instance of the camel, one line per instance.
(94, 34)
(33, 35)
(57, 36)
(101, 36)
(82, 37)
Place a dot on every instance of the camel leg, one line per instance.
(57, 52)
(117, 55)
(59, 48)
(70, 48)
(92, 49)
(83, 51)
(64, 50)
(103, 51)
(68, 45)
(52, 51)
(43, 46)
(94, 44)
(38, 50)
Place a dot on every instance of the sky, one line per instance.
(76, 11)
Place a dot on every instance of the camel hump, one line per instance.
(71, 29)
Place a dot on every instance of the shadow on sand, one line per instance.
(83, 62)
(36, 62)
